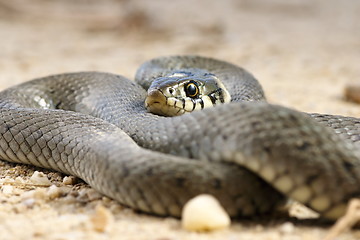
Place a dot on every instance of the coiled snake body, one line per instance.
(248, 153)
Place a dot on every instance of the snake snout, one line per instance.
(155, 101)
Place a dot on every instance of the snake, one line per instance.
(250, 154)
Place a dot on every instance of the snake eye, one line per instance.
(191, 90)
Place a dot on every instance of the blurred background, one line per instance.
(291, 46)
(302, 51)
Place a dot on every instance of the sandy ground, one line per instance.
(303, 52)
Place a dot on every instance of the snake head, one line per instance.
(183, 91)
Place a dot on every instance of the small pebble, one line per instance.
(204, 213)
(69, 180)
(102, 219)
(39, 178)
(287, 228)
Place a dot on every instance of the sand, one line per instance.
(303, 53)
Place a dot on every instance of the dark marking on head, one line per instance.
(212, 98)
(194, 104)
(221, 95)
(178, 110)
(201, 103)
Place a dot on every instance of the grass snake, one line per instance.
(249, 154)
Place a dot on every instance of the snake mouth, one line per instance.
(157, 103)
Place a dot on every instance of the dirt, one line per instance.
(303, 52)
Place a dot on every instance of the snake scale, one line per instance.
(249, 154)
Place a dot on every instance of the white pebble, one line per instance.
(69, 180)
(204, 213)
(39, 178)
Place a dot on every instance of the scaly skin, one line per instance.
(248, 154)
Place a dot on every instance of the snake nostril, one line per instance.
(171, 91)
